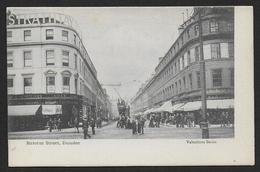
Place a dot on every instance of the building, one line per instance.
(177, 76)
(49, 71)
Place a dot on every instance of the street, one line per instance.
(111, 132)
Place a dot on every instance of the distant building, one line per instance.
(177, 76)
(49, 71)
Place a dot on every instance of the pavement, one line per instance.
(110, 131)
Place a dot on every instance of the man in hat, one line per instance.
(85, 128)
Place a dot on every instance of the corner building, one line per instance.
(177, 76)
(49, 71)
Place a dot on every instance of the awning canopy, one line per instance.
(23, 110)
(220, 104)
(166, 107)
(192, 106)
(51, 109)
(177, 107)
(211, 104)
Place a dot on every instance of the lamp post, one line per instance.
(204, 123)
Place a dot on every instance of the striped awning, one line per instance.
(211, 104)
(22, 110)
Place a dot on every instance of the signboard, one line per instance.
(51, 109)
(38, 19)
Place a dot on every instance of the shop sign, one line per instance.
(51, 109)
(37, 19)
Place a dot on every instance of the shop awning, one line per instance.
(149, 111)
(51, 109)
(177, 107)
(211, 104)
(166, 107)
(23, 110)
(220, 104)
(156, 109)
(192, 106)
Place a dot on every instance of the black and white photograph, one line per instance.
(79, 74)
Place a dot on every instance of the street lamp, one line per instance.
(204, 124)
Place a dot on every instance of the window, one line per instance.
(66, 84)
(9, 35)
(188, 57)
(198, 80)
(182, 40)
(192, 55)
(76, 85)
(217, 77)
(179, 64)
(232, 77)
(65, 35)
(10, 59)
(79, 65)
(50, 60)
(75, 38)
(27, 35)
(185, 60)
(196, 30)
(207, 51)
(76, 61)
(27, 85)
(49, 34)
(50, 84)
(215, 51)
(179, 85)
(231, 49)
(230, 27)
(182, 62)
(10, 85)
(188, 33)
(27, 59)
(10, 82)
(65, 58)
(184, 83)
(176, 87)
(213, 25)
(197, 53)
(190, 79)
(224, 50)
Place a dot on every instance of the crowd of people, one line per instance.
(54, 124)
(136, 124)
(191, 119)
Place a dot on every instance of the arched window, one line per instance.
(50, 81)
(66, 81)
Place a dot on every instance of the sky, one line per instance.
(124, 43)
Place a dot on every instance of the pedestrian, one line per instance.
(59, 124)
(50, 124)
(139, 126)
(85, 128)
(142, 125)
(92, 124)
(222, 119)
(55, 127)
(133, 126)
